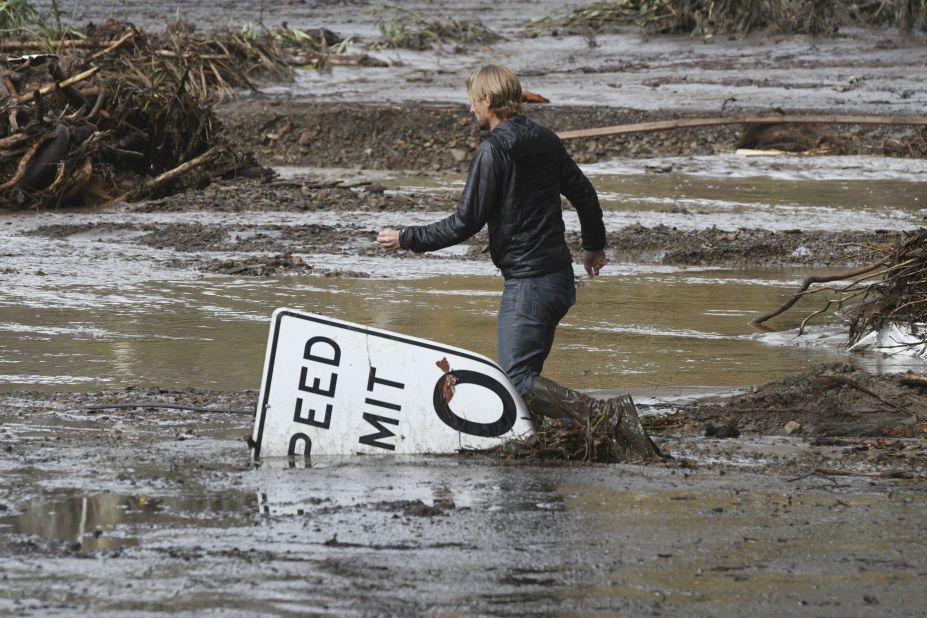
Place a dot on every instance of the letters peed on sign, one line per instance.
(332, 388)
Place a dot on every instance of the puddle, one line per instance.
(107, 521)
(392, 531)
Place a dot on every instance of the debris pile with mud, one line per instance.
(741, 247)
(599, 441)
(70, 137)
(833, 400)
(707, 18)
(888, 292)
(406, 29)
(285, 263)
(111, 112)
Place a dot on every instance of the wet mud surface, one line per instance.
(657, 244)
(803, 496)
(163, 499)
(430, 138)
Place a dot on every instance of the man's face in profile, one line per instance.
(480, 109)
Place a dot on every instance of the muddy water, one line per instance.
(96, 309)
(646, 328)
(769, 192)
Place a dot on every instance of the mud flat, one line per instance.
(164, 499)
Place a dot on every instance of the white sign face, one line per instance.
(335, 388)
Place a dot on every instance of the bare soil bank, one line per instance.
(286, 131)
(835, 400)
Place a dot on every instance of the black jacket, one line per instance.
(515, 182)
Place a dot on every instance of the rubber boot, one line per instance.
(553, 400)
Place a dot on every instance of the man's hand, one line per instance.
(388, 239)
(593, 261)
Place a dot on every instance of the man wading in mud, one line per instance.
(516, 178)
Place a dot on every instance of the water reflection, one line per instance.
(288, 487)
(110, 521)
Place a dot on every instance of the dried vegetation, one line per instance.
(714, 17)
(110, 111)
(402, 28)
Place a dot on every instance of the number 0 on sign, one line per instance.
(333, 388)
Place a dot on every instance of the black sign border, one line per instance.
(262, 405)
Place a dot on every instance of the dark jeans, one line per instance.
(528, 316)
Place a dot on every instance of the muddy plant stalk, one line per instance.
(597, 441)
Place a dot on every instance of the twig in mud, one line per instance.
(153, 405)
(913, 379)
(829, 382)
(115, 45)
(819, 473)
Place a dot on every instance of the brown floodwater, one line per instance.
(97, 309)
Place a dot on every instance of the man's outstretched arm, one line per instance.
(480, 197)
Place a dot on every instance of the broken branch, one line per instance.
(115, 45)
(808, 282)
(62, 84)
(162, 179)
(24, 164)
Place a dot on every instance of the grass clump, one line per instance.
(404, 29)
(708, 18)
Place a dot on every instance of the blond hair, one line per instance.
(502, 87)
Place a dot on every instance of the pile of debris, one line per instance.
(69, 136)
(708, 18)
(885, 301)
(402, 28)
(262, 266)
(592, 431)
(828, 400)
(110, 112)
(893, 311)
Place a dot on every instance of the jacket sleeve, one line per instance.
(581, 194)
(481, 197)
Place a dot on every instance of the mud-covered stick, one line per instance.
(685, 123)
(26, 98)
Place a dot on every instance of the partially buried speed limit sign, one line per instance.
(332, 388)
